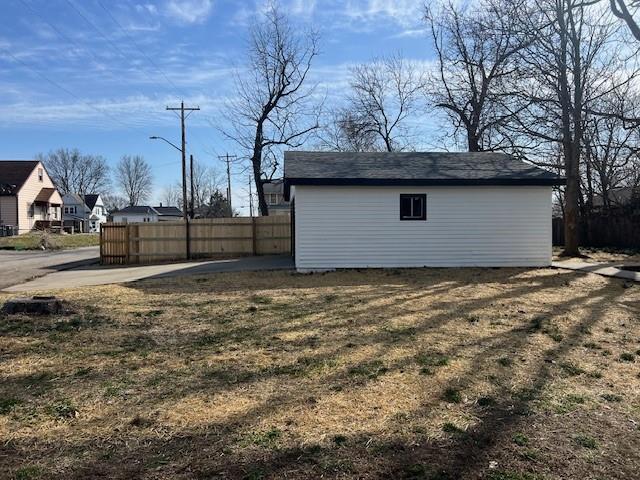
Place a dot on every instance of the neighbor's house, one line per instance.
(28, 197)
(146, 214)
(620, 198)
(418, 209)
(83, 214)
(274, 196)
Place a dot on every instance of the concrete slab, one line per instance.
(100, 275)
(604, 269)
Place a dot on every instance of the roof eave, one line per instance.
(547, 182)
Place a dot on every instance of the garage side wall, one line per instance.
(343, 227)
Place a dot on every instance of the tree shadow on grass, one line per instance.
(212, 450)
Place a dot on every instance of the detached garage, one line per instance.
(413, 209)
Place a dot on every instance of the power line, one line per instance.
(135, 44)
(68, 92)
(78, 47)
(113, 44)
(180, 91)
(116, 48)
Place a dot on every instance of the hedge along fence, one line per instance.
(621, 231)
(144, 243)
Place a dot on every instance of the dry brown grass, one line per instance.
(430, 373)
(603, 255)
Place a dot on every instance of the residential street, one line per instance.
(19, 267)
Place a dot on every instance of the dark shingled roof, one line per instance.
(90, 200)
(136, 209)
(13, 174)
(411, 168)
(174, 211)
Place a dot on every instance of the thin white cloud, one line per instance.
(147, 8)
(406, 13)
(189, 11)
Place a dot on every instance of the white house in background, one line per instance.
(414, 209)
(83, 214)
(147, 214)
(274, 196)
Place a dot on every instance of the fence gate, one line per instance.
(114, 244)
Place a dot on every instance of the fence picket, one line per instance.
(122, 243)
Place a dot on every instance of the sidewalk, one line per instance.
(604, 269)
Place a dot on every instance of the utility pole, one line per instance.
(191, 178)
(228, 158)
(183, 151)
(250, 199)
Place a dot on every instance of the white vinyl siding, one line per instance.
(343, 227)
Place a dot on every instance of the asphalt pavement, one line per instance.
(20, 266)
(104, 275)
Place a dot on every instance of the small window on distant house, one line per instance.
(40, 174)
(413, 206)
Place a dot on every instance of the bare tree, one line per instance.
(133, 176)
(571, 60)
(172, 195)
(476, 67)
(384, 95)
(74, 172)
(206, 181)
(610, 149)
(274, 103)
(344, 131)
(623, 11)
(113, 202)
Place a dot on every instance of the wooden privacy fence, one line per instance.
(139, 243)
(622, 231)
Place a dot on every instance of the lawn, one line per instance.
(501, 374)
(35, 241)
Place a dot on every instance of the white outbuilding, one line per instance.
(414, 209)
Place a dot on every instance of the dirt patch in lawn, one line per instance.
(420, 374)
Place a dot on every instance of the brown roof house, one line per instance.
(28, 197)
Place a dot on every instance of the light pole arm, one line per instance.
(164, 139)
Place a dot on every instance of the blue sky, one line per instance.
(98, 74)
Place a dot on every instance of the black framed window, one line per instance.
(413, 206)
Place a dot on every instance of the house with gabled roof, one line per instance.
(83, 213)
(28, 198)
(147, 214)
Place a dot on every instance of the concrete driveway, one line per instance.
(99, 275)
(19, 267)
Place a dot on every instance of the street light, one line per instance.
(185, 214)
(184, 178)
(164, 139)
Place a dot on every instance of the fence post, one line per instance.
(101, 260)
(254, 239)
(188, 239)
(126, 244)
